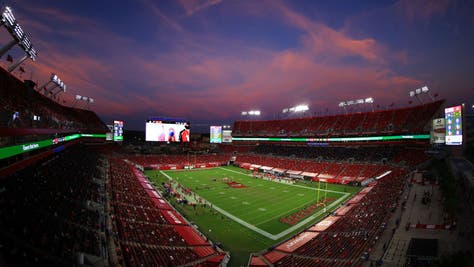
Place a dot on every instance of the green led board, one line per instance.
(6, 152)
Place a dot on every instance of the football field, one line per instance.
(246, 214)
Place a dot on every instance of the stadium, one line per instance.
(368, 185)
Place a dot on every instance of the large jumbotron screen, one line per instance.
(167, 130)
(453, 118)
(215, 134)
(118, 130)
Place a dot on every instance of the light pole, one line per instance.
(20, 37)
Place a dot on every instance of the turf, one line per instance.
(259, 205)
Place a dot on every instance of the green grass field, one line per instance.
(245, 220)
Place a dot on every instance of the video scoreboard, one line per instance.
(167, 130)
(453, 121)
(118, 130)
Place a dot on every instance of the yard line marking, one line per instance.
(295, 185)
(279, 215)
(310, 218)
(263, 232)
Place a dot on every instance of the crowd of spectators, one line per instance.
(21, 106)
(50, 211)
(145, 236)
(411, 155)
(179, 159)
(349, 240)
(411, 119)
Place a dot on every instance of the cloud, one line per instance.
(324, 42)
(194, 6)
(203, 75)
(423, 10)
(157, 11)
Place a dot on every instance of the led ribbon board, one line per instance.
(6, 152)
(336, 139)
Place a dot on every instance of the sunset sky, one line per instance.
(207, 61)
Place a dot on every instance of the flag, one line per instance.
(22, 69)
(10, 58)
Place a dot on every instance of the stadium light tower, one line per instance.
(343, 104)
(362, 101)
(56, 83)
(87, 100)
(419, 91)
(370, 100)
(301, 108)
(19, 37)
(250, 113)
(296, 109)
(77, 98)
(90, 101)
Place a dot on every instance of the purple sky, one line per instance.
(207, 61)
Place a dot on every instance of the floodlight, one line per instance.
(244, 113)
(25, 42)
(55, 79)
(418, 91)
(85, 98)
(369, 100)
(350, 102)
(301, 108)
(19, 35)
(359, 101)
(32, 53)
(412, 93)
(18, 31)
(341, 104)
(424, 89)
(7, 17)
(285, 110)
(78, 97)
(91, 100)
